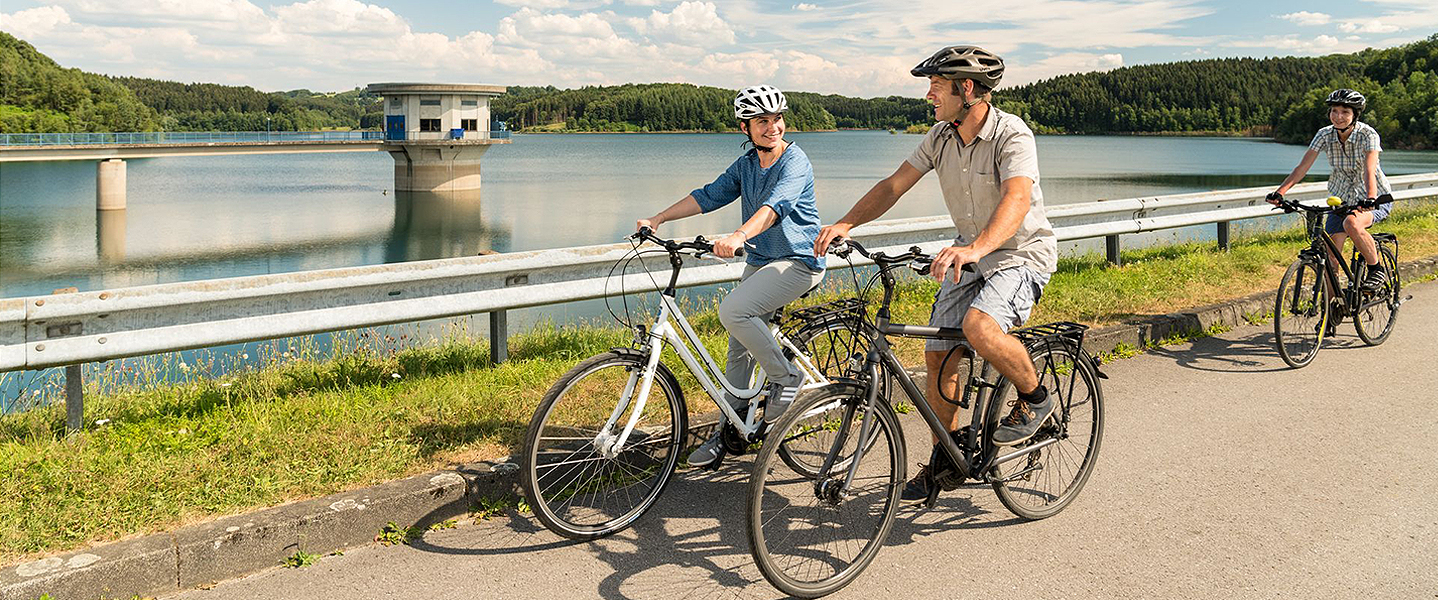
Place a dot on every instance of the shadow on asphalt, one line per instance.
(1254, 353)
(655, 559)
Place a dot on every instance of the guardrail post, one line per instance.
(1223, 236)
(1110, 243)
(74, 399)
(498, 337)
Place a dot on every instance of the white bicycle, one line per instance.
(602, 445)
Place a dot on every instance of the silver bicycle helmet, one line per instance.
(963, 62)
(759, 100)
(1347, 97)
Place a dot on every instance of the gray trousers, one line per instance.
(745, 314)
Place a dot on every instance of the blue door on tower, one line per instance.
(394, 127)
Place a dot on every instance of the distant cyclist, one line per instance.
(989, 174)
(1352, 147)
(780, 222)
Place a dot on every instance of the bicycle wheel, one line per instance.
(574, 488)
(1300, 313)
(1044, 481)
(832, 348)
(807, 536)
(1374, 320)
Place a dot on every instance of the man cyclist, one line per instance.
(1352, 148)
(988, 170)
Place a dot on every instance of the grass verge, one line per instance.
(309, 425)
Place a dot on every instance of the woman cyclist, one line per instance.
(1352, 147)
(780, 222)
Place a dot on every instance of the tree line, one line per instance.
(1282, 97)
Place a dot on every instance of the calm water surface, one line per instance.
(194, 218)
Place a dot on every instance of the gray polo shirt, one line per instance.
(970, 177)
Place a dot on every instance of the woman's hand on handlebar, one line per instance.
(652, 223)
(1275, 198)
(725, 247)
(952, 260)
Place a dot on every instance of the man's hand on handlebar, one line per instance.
(952, 260)
(827, 236)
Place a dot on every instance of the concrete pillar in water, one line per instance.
(438, 168)
(110, 236)
(110, 185)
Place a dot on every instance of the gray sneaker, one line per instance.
(1022, 422)
(780, 397)
(708, 452)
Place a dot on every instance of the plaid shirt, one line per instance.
(1347, 159)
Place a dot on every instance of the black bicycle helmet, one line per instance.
(1347, 97)
(963, 62)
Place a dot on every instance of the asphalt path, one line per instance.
(1222, 474)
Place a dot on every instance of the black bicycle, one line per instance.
(1305, 310)
(812, 534)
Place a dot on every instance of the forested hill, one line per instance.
(1281, 96)
(38, 95)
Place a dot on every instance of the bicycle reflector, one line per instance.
(1335, 201)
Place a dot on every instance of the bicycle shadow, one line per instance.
(692, 545)
(1252, 353)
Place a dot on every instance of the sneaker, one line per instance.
(917, 489)
(1377, 278)
(1023, 421)
(708, 452)
(780, 397)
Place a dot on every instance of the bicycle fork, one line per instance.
(608, 444)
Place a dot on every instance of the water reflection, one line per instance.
(110, 236)
(430, 225)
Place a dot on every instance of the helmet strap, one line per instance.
(964, 110)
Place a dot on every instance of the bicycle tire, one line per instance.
(782, 508)
(567, 480)
(1375, 322)
(1300, 313)
(832, 346)
(1047, 480)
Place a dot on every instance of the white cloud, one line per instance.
(34, 22)
(1295, 44)
(1060, 64)
(1304, 17)
(539, 4)
(1369, 26)
(805, 6)
(697, 22)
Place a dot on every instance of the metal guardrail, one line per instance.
(155, 138)
(72, 328)
(185, 137)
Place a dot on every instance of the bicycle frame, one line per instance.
(1349, 295)
(967, 460)
(707, 372)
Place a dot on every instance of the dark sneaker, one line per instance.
(1376, 280)
(780, 397)
(917, 489)
(1023, 422)
(708, 452)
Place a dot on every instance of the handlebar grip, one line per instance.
(738, 253)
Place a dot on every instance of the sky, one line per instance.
(856, 48)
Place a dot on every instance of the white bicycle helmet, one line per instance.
(759, 100)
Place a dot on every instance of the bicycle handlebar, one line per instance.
(699, 245)
(1289, 206)
(915, 256)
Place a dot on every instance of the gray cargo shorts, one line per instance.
(1008, 295)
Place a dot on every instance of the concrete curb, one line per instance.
(232, 546)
